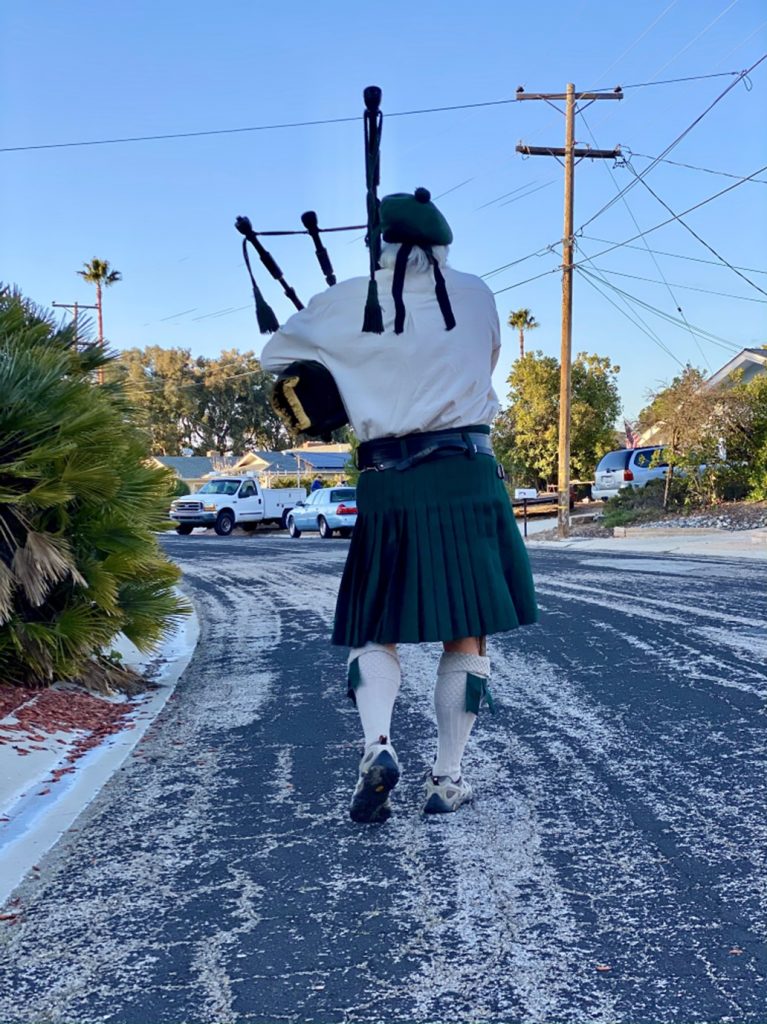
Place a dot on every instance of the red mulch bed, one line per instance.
(41, 713)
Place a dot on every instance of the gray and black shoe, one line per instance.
(379, 774)
(444, 795)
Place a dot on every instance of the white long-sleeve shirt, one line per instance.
(426, 378)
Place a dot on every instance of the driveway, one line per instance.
(611, 869)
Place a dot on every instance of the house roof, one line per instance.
(278, 462)
(194, 467)
(287, 462)
(753, 356)
(746, 357)
(322, 460)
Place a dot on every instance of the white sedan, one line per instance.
(326, 510)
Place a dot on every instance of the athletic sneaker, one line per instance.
(379, 774)
(444, 795)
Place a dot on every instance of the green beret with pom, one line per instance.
(413, 219)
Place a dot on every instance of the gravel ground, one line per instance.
(736, 515)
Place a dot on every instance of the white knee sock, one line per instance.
(454, 722)
(379, 682)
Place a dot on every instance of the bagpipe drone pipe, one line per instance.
(305, 395)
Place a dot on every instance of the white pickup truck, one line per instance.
(231, 501)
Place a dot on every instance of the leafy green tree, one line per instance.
(234, 412)
(748, 442)
(526, 433)
(204, 404)
(595, 407)
(165, 388)
(522, 320)
(79, 508)
(691, 420)
(723, 428)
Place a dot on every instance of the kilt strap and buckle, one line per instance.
(403, 452)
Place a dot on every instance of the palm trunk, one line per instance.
(100, 315)
(100, 375)
(521, 343)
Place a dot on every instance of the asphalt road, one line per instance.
(611, 869)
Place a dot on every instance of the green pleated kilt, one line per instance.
(436, 554)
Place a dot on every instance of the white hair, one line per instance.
(416, 261)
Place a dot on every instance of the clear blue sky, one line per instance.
(161, 212)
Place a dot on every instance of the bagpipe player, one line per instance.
(436, 554)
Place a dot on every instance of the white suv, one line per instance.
(627, 467)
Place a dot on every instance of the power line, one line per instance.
(639, 38)
(691, 167)
(702, 32)
(706, 335)
(687, 227)
(674, 81)
(522, 259)
(670, 220)
(527, 280)
(641, 324)
(528, 194)
(687, 287)
(642, 234)
(312, 123)
(677, 305)
(741, 75)
(505, 195)
(662, 252)
(613, 245)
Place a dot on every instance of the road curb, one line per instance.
(35, 820)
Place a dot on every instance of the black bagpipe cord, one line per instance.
(267, 321)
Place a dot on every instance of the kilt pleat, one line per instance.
(436, 554)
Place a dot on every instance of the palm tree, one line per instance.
(79, 509)
(99, 272)
(523, 320)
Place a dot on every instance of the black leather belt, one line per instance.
(403, 452)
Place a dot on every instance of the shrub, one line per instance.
(79, 507)
(632, 505)
(289, 481)
(179, 488)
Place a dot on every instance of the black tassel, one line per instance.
(373, 321)
(267, 321)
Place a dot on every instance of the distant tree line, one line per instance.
(204, 404)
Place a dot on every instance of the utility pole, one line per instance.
(568, 155)
(75, 307)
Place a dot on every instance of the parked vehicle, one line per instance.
(231, 501)
(627, 467)
(326, 510)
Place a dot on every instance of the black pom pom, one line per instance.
(422, 195)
